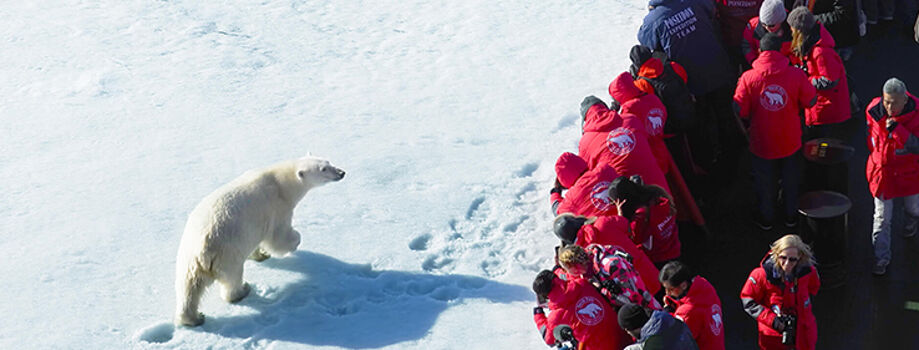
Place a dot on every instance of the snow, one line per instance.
(119, 116)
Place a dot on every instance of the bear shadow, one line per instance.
(351, 305)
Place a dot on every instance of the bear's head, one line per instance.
(314, 171)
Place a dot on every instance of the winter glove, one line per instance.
(669, 305)
(538, 310)
(823, 83)
(588, 102)
(778, 324)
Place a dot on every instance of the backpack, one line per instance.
(616, 278)
(675, 95)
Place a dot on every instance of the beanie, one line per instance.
(639, 54)
(770, 42)
(801, 19)
(568, 168)
(772, 12)
(632, 316)
(566, 227)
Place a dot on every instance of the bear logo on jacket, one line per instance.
(773, 98)
(589, 311)
(599, 196)
(655, 121)
(621, 141)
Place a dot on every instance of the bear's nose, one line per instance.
(341, 174)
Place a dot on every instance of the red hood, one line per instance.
(623, 87)
(568, 168)
(770, 62)
(701, 293)
(652, 68)
(826, 40)
(602, 122)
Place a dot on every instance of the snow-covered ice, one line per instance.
(119, 116)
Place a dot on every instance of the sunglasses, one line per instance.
(790, 259)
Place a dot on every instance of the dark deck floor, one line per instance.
(867, 312)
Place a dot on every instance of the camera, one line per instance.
(790, 323)
(564, 337)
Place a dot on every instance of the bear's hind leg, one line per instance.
(189, 288)
(231, 278)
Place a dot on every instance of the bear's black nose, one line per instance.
(341, 174)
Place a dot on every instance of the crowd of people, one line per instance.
(708, 82)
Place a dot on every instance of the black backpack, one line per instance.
(673, 92)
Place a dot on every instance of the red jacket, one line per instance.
(892, 175)
(700, 310)
(654, 230)
(823, 63)
(754, 31)
(613, 230)
(772, 95)
(578, 304)
(733, 16)
(620, 141)
(649, 108)
(766, 287)
(589, 195)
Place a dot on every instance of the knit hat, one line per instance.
(566, 227)
(632, 316)
(770, 42)
(568, 168)
(772, 12)
(801, 19)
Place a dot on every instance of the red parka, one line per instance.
(700, 310)
(766, 287)
(589, 196)
(754, 32)
(824, 67)
(620, 141)
(890, 174)
(613, 230)
(655, 231)
(578, 304)
(649, 108)
(772, 95)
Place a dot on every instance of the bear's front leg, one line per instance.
(259, 255)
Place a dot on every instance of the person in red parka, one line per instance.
(771, 19)
(649, 108)
(771, 96)
(651, 215)
(576, 303)
(620, 140)
(813, 45)
(606, 230)
(781, 289)
(586, 189)
(893, 164)
(693, 300)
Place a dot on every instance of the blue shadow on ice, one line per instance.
(353, 306)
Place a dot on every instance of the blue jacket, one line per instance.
(684, 29)
(664, 332)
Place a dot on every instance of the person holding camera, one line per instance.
(692, 299)
(654, 330)
(778, 295)
(577, 303)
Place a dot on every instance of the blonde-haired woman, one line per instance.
(778, 295)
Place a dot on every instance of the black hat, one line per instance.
(542, 284)
(770, 42)
(566, 227)
(639, 54)
(632, 316)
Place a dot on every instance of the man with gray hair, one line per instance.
(893, 165)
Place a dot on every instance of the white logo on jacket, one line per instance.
(773, 97)
(621, 141)
(655, 121)
(716, 325)
(589, 311)
(599, 196)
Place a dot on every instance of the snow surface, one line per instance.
(119, 116)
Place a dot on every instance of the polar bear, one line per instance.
(248, 217)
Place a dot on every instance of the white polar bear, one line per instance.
(249, 216)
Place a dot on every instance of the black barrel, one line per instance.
(826, 167)
(825, 217)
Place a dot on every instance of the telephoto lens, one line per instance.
(788, 335)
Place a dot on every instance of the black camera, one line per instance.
(564, 337)
(789, 326)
